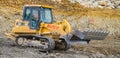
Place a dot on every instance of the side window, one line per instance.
(46, 15)
(27, 14)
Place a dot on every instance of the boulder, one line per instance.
(102, 3)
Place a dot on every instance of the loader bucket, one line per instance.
(91, 34)
(88, 35)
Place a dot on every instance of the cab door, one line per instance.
(34, 18)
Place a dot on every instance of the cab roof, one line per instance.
(45, 6)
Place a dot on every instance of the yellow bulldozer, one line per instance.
(38, 29)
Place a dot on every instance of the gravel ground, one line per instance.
(8, 49)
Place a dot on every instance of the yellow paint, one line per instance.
(57, 28)
(45, 6)
(10, 36)
(22, 28)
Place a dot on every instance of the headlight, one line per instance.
(21, 24)
(18, 23)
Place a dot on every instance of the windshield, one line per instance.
(46, 15)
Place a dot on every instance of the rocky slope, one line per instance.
(110, 4)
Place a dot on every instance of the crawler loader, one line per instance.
(38, 29)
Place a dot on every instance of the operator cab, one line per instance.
(36, 14)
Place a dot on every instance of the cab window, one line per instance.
(46, 15)
(34, 18)
(27, 13)
(35, 13)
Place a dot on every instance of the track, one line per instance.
(43, 44)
